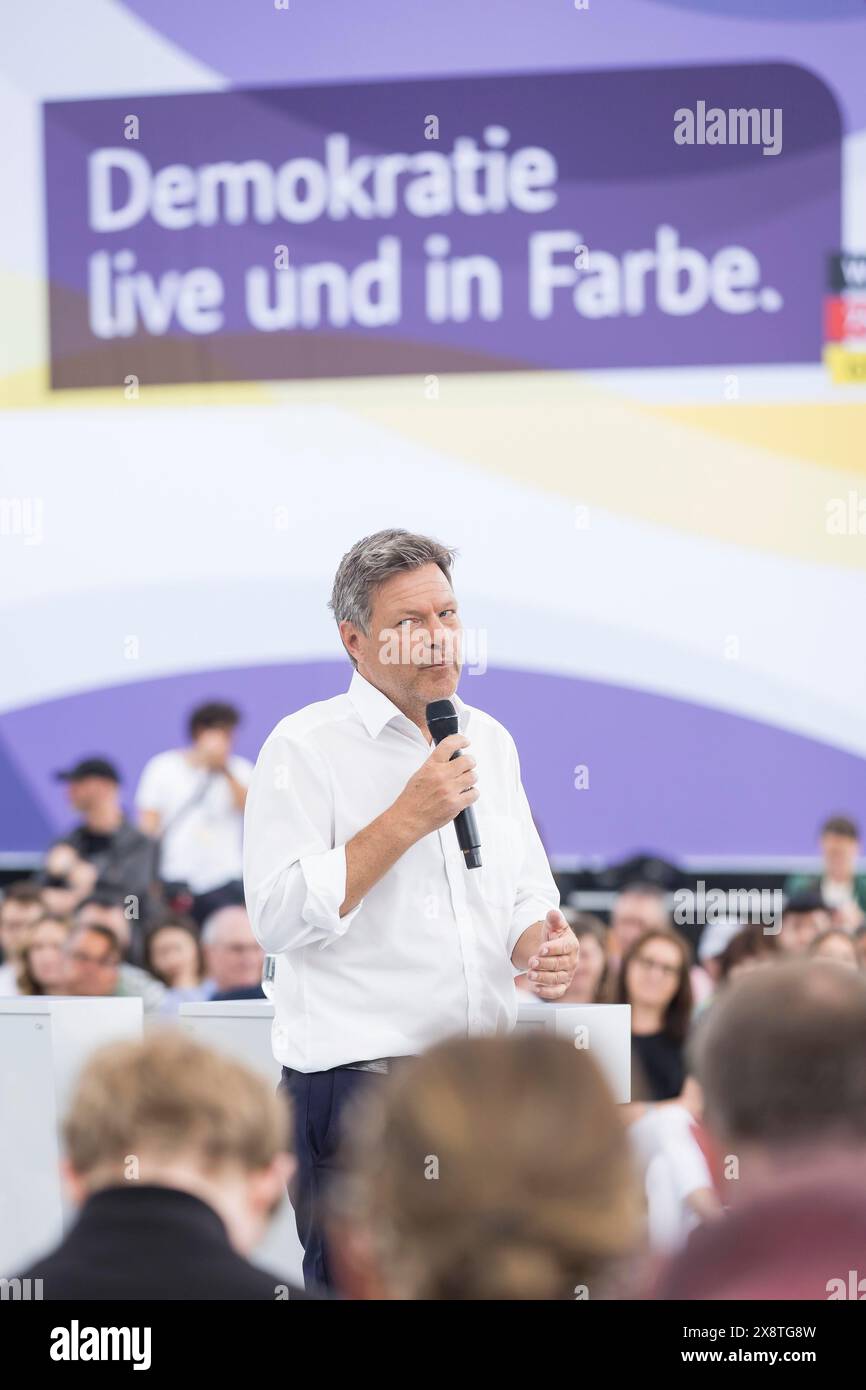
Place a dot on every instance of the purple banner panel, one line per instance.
(571, 220)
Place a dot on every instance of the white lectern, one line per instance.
(43, 1043)
(602, 1029)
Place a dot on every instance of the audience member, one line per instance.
(175, 1157)
(750, 947)
(233, 957)
(842, 889)
(654, 980)
(192, 799)
(534, 1197)
(106, 910)
(804, 917)
(638, 908)
(780, 1060)
(591, 977)
(42, 964)
(92, 963)
(174, 956)
(20, 908)
(121, 857)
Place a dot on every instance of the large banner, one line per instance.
(622, 219)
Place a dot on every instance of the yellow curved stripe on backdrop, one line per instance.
(559, 432)
(831, 435)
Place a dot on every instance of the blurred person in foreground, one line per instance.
(42, 964)
(837, 945)
(780, 1060)
(842, 889)
(192, 800)
(488, 1168)
(119, 856)
(20, 909)
(175, 1156)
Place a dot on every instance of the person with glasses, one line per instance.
(92, 962)
(654, 980)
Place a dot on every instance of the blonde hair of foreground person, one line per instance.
(170, 1111)
(488, 1168)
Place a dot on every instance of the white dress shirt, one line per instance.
(427, 953)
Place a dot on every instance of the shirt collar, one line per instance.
(376, 710)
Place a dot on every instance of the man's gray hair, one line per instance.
(373, 560)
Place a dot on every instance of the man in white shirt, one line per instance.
(193, 799)
(384, 941)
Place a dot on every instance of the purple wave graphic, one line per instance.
(665, 775)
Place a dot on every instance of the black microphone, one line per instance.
(442, 721)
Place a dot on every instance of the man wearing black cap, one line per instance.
(124, 859)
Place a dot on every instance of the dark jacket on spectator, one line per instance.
(149, 1242)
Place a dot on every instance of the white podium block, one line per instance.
(604, 1030)
(242, 1028)
(43, 1042)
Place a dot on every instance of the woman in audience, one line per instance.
(488, 1168)
(173, 954)
(591, 976)
(41, 963)
(836, 944)
(654, 980)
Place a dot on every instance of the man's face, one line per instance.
(101, 915)
(235, 959)
(413, 652)
(840, 853)
(16, 919)
(87, 793)
(91, 965)
(632, 915)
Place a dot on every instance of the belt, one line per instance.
(379, 1064)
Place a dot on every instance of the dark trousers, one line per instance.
(318, 1101)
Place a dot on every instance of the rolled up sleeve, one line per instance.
(294, 874)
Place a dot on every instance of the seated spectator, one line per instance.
(714, 939)
(206, 1136)
(535, 1198)
(92, 963)
(105, 909)
(42, 967)
(800, 1243)
(174, 956)
(836, 944)
(591, 975)
(121, 857)
(193, 799)
(842, 889)
(654, 980)
(638, 908)
(780, 1060)
(233, 957)
(20, 908)
(804, 917)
